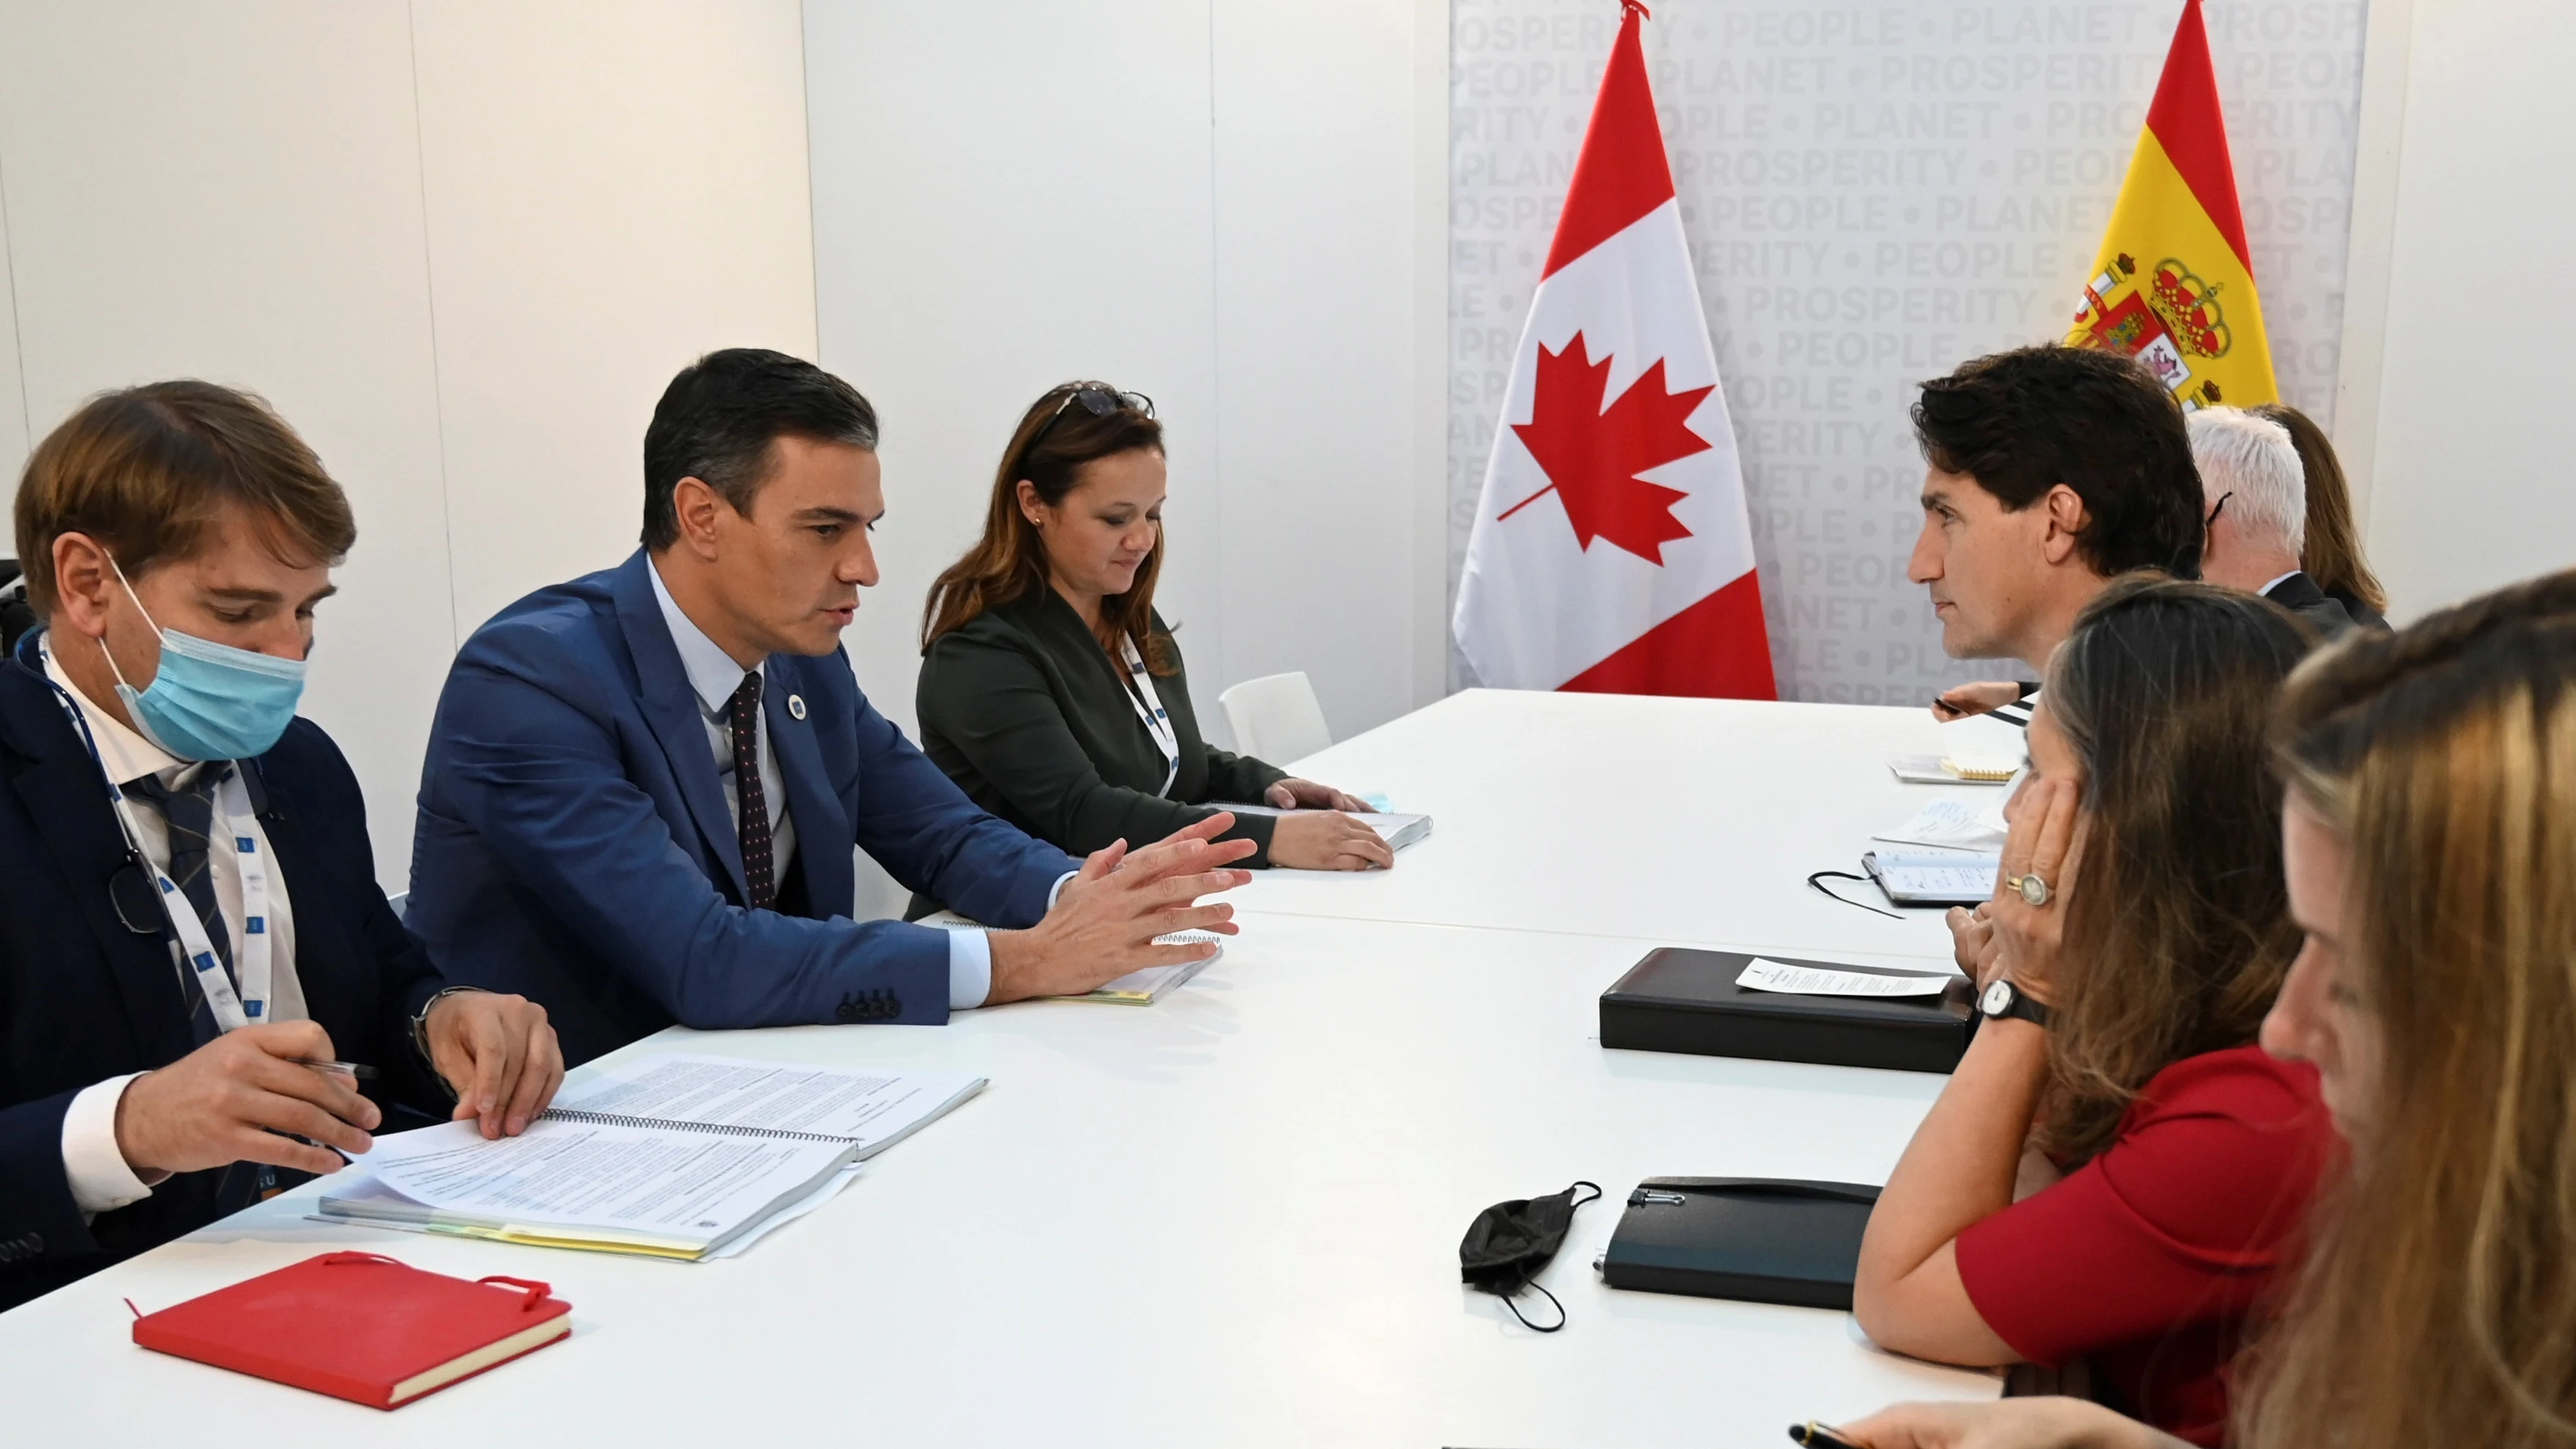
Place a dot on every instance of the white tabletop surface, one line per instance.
(1670, 820)
(1231, 1218)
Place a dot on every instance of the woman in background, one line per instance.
(2430, 836)
(2138, 933)
(1054, 694)
(2332, 555)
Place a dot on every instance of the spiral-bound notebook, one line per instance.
(670, 1156)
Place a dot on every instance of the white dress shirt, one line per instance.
(101, 1180)
(713, 678)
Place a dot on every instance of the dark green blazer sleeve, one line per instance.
(1025, 711)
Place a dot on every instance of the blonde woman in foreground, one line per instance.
(2430, 838)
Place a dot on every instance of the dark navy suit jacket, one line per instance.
(574, 843)
(83, 999)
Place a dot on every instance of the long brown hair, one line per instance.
(2332, 555)
(1055, 438)
(2178, 932)
(2438, 1304)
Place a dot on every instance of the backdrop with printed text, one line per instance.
(1873, 194)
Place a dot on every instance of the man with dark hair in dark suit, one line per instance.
(643, 785)
(2050, 471)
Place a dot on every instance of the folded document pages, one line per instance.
(672, 1156)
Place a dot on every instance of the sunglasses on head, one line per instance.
(1100, 402)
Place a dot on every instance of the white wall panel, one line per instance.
(239, 192)
(1007, 196)
(613, 188)
(1323, 289)
(1234, 207)
(13, 392)
(2469, 482)
(230, 192)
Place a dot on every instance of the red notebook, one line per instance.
(360, 1326)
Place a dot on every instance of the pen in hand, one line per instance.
(354, 1071)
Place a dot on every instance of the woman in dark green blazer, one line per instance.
(1051, 691)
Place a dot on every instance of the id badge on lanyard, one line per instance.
(233, 1005)
(1158, 721)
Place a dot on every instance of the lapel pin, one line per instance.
(796, 706)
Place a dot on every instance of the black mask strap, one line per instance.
(1524, 1318)
(1817, 882)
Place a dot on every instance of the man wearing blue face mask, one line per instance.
(191, 936)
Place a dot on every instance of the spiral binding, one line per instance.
(620, 1119)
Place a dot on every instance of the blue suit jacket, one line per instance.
(82, 998)
(574, 843)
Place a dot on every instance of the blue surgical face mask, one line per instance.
(210, 701)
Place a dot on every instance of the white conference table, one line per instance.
(1229, 1218)
(1684, 821)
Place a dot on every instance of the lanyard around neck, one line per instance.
(232, 1005)
(1149, 708)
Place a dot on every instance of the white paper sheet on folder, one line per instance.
(1761, 975)
(872, 1108)
(1948, 825)
(1936, 874)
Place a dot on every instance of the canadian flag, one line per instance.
(1611, 551)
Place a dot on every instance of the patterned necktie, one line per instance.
(758, 871)
(190, 811)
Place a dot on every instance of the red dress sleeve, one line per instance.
(2186, 1218)
(2148, 1260)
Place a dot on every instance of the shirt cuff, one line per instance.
(1058, 888)
(970, 969)
(101, 1180)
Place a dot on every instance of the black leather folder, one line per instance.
(1681, 1000)
(1754, 1239)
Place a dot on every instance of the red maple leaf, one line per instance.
(1592, 455)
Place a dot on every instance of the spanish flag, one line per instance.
(2173, 285)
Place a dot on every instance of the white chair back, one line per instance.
(1276, 718)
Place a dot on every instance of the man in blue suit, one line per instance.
(643, 785)
(190, 927)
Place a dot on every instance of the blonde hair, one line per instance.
(2332, 554)
(2438, 1304)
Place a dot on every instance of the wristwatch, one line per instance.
(420, 1031)
(2005, 999)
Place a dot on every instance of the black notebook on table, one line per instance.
(1683, 1000)
(1755, 1239)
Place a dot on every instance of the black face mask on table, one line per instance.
(1509, 1243)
